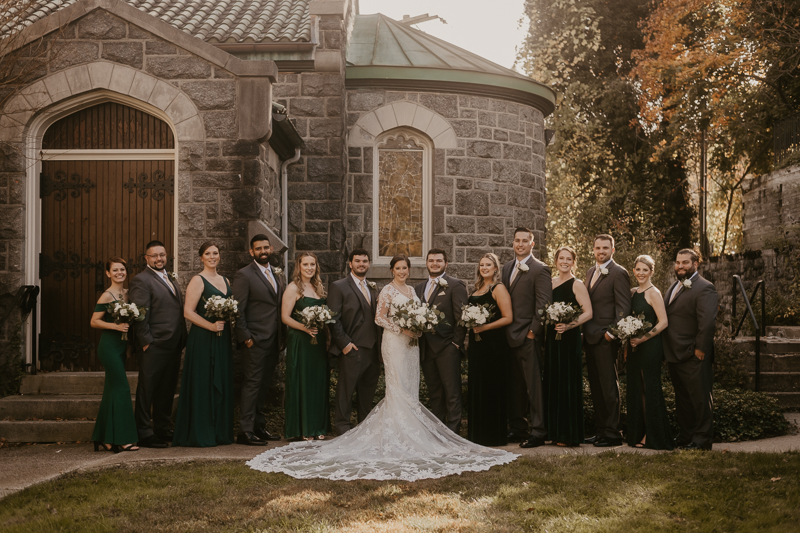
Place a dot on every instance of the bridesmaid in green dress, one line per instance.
(564, 358)
(205, 405)
(648, 423)
(115, 428)
(307, 377)
(489, 359)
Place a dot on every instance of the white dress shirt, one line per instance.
(428, 285)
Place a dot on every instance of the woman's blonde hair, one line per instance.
(316, 280)
(647, 260)
(479, 279)
(571, 252)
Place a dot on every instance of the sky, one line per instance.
(489, 28)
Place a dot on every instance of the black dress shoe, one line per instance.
(695, 446)
(265, 435)
(516, 437)
(591, 440)
(608, 442)
(152, 442)
(167, 436)
(249, 439)
(680, 443)
(532, 442)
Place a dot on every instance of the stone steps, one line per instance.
(778, 381)
(70, 383)
(779, 364)
(51, 407)
(787, 400)
(47, 430)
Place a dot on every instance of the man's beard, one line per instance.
(263, 260)
(435, 274)
(689, 273)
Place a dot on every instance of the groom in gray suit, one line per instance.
(531, 289)
(158, 342)
(356, 340)
(258, 288)
(610, 292)
(441, 351)
(692, 304)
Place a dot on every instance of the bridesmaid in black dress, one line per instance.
(648, 424)
(489, 359)
(564, 360)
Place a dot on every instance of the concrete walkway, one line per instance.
(24, 466)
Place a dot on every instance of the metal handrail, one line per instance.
(759, 330)
(26, 300)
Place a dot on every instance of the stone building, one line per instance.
(183, 121)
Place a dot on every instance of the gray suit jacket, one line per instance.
(449, 301)
(356, 320)
(692, 318)
(259, 306)
(611, 301)
(163, 324)
(531, 291)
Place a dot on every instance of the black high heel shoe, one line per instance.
(99, 446)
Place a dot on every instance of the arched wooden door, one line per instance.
(107, 189)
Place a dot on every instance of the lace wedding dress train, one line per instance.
(399, 440)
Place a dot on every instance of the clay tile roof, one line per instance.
(214, 21)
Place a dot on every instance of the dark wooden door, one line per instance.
(93, 209)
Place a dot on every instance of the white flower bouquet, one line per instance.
(219, 308)
(126, 313)
(316, 316)
(475, 315)
(559, 313)
(415, 317)
(629, 327)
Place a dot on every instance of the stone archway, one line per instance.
(399, 114)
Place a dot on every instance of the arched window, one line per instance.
(402, 203)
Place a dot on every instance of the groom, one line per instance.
(528, 282)
(441, 350)
(356, 340)
(159, 340)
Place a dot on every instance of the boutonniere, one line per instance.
(173, 276)
(523, 267)
(687, 284)
(442, 283)
(372, 285)
(603, 271)
(277, 271)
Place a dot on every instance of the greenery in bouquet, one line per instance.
(475, 315)
(316, 316)
(225, 309)
(418, 318)
(126, 313)
(559, 313)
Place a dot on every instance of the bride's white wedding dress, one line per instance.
(399, 440)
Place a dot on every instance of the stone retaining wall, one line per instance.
(772, 209)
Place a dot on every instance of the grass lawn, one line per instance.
(686, 491)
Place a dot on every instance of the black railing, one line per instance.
(25, 299)
(786, 138)
(760, 330)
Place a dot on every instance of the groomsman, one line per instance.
(692, 304)
(530, 286)
(610, 292)
(441, 350)
(356, 340)
(258, 288)
(158, 341)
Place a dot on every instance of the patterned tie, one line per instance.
(270, 279)
(431, 291)
(364, 291)
(595, 277)
(675, 292)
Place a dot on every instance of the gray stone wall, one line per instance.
(772, 209)
(316, 191)
(493, 182)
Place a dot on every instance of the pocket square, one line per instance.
(440, 294)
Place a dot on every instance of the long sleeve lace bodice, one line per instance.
(388, 295)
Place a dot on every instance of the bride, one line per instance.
(400, 439)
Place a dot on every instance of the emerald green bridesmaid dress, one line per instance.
(307, 381)
(205, 405)
(115, 423)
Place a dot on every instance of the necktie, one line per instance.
(595, 277)
(166, 280)
(431, 291)
(270, 279)
(364, 291)
(514, 274)
(675, 292)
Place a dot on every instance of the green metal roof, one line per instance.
(383, 52)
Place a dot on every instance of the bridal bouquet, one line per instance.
(559, 313)
(415, 317)
(630, 326)
(475, 315)
(316, 316)
(126, 313)
(219, 308)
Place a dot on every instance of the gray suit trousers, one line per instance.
(526, 389)
(693, 401)
(442, 371)
(601, 365)
(359, 371)
(155, 391)
(258, 366)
